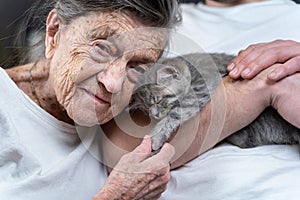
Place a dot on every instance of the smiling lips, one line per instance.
(97, 98)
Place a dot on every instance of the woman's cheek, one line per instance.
(122, 100)
(66, 77)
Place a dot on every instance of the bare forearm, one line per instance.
(233, 106)
(245, 100)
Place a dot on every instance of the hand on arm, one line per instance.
(234, 105)
(286, 98)
(246, 99)
(284, 55)
(139, 176)
(242, 100)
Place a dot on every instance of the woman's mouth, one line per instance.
(97, 98)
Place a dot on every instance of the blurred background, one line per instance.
(11, 13)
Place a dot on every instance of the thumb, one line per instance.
(166, 153)
(164, 156)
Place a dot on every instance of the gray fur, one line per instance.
(176, 89)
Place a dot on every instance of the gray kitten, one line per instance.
(176, 89)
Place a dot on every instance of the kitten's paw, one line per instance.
(157, 142)
(154, 152)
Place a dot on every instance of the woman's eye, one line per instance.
(140, 68)
(102, 47)
(102, 51)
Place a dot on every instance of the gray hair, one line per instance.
(29, 42)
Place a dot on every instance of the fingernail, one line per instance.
(230, 67)
(234, 72)
(246, 72)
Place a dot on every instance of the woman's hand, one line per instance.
(284, 54)
(139, 176)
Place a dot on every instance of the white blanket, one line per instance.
(228, 172)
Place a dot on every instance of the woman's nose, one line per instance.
(113, 77)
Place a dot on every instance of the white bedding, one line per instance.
(228, 172)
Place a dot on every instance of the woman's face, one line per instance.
(94, 63)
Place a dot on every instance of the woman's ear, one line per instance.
(53, 24)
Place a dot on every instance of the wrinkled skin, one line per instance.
(136, 177)
(87, 77)
(92, 59)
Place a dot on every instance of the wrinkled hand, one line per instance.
(138, 176)
(283, 54)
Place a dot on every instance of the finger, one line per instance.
(267, 59)
(142, 151)
(162, 158)
(155, 194)
(152, 194)
(283, 70)
(145, 146)
(253, 51)
(258, 62)
(239, 63)
(260, 56)
(155, 188)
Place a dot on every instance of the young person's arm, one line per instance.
(234, 105)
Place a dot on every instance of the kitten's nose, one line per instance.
(154, 112)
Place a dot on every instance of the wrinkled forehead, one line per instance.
(127, 33)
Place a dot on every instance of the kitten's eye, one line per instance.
(176, 76)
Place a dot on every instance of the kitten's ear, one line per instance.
(167, 74)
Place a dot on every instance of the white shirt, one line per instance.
(231, 29)
(42, 158)
(228, 172)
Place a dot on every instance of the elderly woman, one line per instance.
(92, 49)
(92, 54)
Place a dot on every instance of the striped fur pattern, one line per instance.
(176, 89)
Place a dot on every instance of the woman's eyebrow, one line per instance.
(101, 32)
(145, 58)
